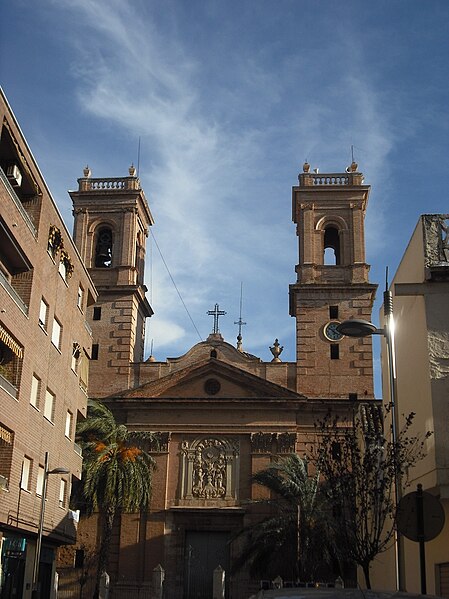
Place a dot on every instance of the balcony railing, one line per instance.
(13, 293)
(111, 184)
(88, 327)
(77, 449)
(7, 386)
(325, 179)
(17, 202)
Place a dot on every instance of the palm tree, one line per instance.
(116, 473)
(295, 540)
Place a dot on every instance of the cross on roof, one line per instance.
(216, 312)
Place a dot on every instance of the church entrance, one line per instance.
(204, 551)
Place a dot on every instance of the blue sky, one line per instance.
(228, 100)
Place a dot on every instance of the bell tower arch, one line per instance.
(111, 225)
(332, 284)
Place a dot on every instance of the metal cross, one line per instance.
(216, 313)
(240, 321)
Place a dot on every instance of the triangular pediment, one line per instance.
(211, 379)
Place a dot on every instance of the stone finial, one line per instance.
(87, 172)
(239, 343)
(132, 171)
(306, 167)
(276, 350)
(353, 167)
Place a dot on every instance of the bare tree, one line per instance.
(359, 464)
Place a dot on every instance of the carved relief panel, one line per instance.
(209, 471)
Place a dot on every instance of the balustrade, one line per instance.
(111, 184)
(322, 179)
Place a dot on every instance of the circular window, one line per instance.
(212, 386)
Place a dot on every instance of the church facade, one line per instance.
(218, 413)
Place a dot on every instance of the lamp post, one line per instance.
(37, 557)
(364, 328)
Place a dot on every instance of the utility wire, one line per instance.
(174, 285)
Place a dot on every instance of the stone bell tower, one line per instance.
(332, 285)
(111, 224)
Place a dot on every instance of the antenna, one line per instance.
(240, 321)
(151, 358)
(352, 153)
(138, 157)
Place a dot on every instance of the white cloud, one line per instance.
(217, 179)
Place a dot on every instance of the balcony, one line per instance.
(13, 293)
(8, 387)
(77, 449)
(14, 197)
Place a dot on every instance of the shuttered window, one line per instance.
(49, 405)
(443, 576)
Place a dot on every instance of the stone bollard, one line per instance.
(278, 583)
(158, 581)
(218, 583)
(55, 585)
(339, 584)
(104, 586)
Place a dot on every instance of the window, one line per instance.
(80, 302)
(65, 266)
(76, 355)
(56, 333)
(62, 493)
(333, 311)
(94, 351)
(62, 269)
(103, 248)
(49, 405)
(335, 351)
(68, 424)
(336, 451)
(35, 391)
(79, 558)
(43, 312)
(97, 313)
(26, 474)
(40, 481)
(331, 246)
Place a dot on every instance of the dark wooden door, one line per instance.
(204, 551)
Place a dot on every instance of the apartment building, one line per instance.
(421, 310)
(45, 345)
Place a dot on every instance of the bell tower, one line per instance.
(111, 224)
(332, 285)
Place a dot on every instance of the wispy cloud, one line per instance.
(219, 148)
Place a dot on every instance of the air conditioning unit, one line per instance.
(74, 515)
(4, 483)
(14, 175)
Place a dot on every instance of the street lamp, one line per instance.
(364, 328)
(37, 557)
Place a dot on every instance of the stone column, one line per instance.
(158, 581)
(218, 583)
